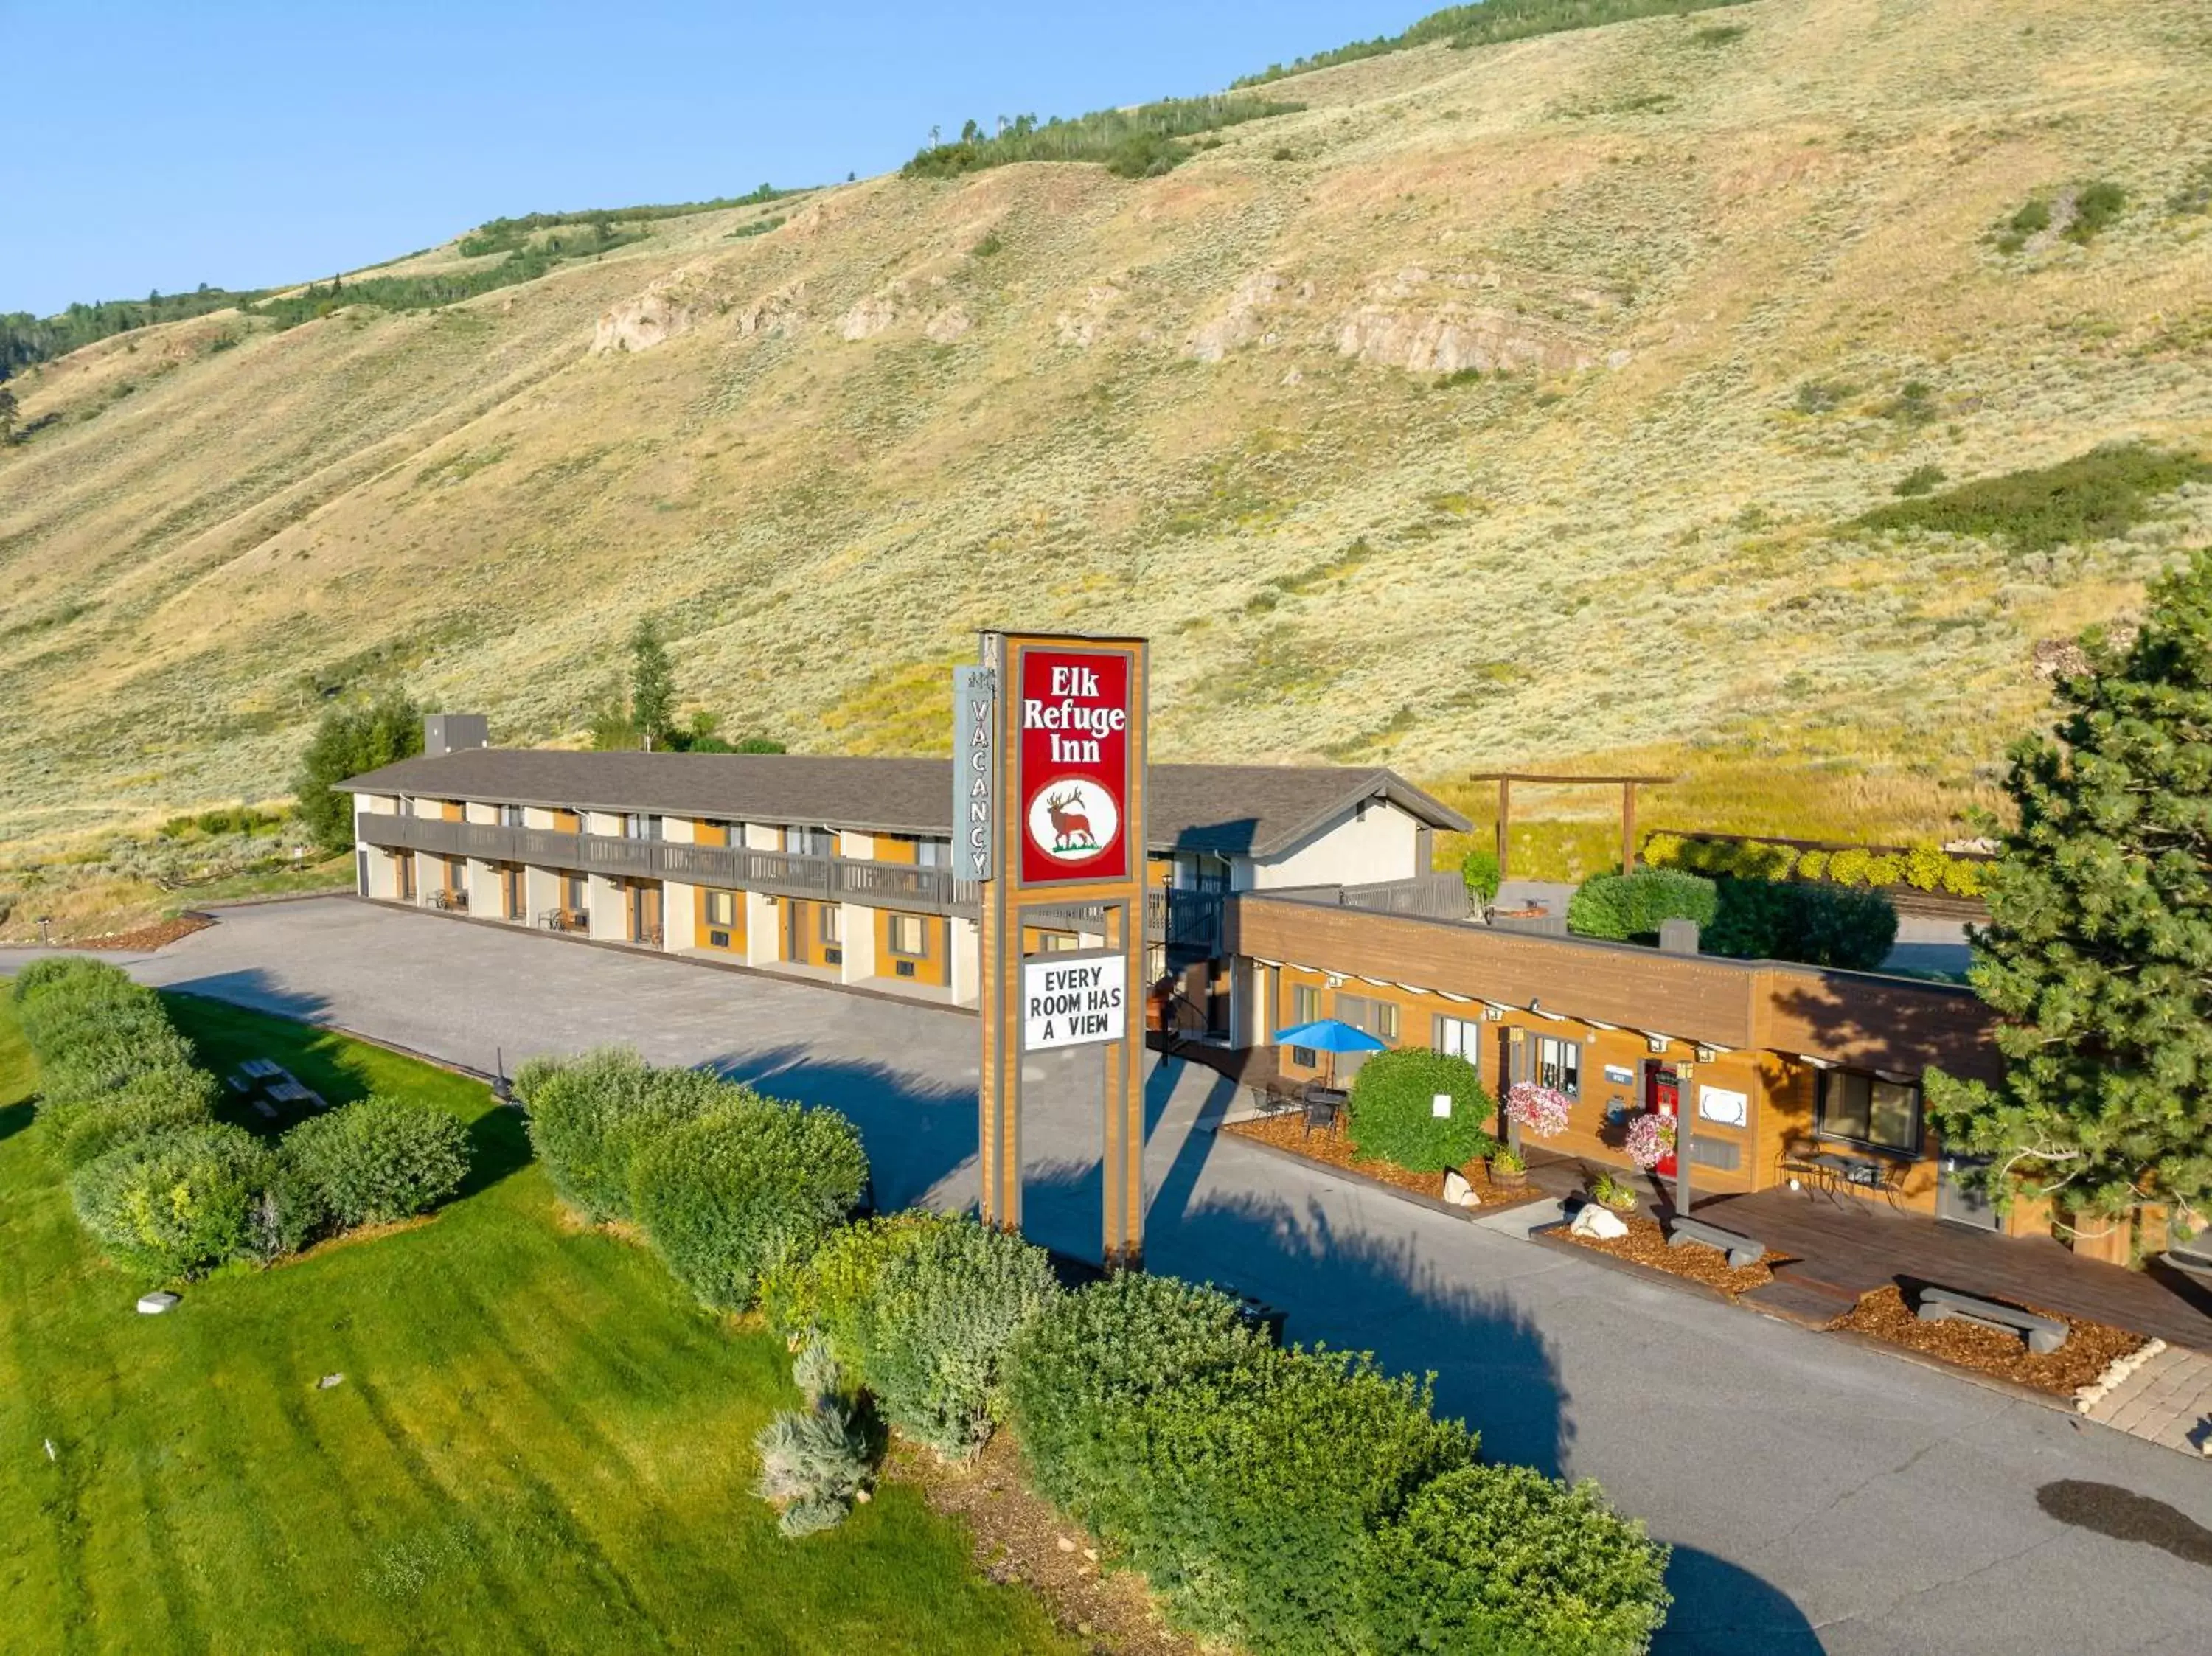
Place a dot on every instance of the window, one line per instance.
(1305, 1003)
(1458, 1038)
(1870, 1111)
(1559, 1063)
(722, 908)
(809, 841)
(510, 817)
(639, 825)
(910, 936)
(933, 854)
(830, 927)
(1378, 1018)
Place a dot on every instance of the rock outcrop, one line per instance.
(654, 317)
(1427, 324)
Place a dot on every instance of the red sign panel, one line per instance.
(1075, 770)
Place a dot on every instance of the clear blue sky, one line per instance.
(242, 143)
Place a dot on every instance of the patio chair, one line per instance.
(1322, 1106)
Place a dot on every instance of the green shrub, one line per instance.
(1501, 1560)
(382, 1159)
(1134, 142)
(590, 1115)
(1962, 878)
(729, 1195)
(1479, 868)
(1923, 868)
(936, 1325)
(1812, 865)
(1393, 1115)
(62, 972)
(1145, 156)
(828, 1294)
(2092, 497)
(152, 1101)
(1625, 906)
(1816, 924)
(1662, 850)
(2096, 205)
(174, 1204)
(1078, 1377)
(1850, 867)
(1884, 868)
(1921, 480)
(1264, 1482)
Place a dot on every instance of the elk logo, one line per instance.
(1072, 821)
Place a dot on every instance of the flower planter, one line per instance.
(1508, 1180)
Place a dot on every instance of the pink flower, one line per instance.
(1651, 1140)
(1538, 1110)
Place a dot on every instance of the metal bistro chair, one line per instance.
(1323, 1106)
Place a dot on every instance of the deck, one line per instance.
(1844, 1246)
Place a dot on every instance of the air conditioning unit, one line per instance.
(718, 940)
(903, 969)
(833, 957)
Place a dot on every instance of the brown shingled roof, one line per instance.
(1256, 809)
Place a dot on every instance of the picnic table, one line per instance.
(265, 1083)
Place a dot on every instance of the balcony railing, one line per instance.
(740, 868)
(1182, 919)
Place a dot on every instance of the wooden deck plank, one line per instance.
(1852, 1245)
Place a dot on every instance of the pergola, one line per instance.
(1628, 785)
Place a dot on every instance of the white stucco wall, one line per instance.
(483, 888)
(763, 836)
(1349, 851)
(763, 928)
(856, 925)
(536, 816)
(477, 811)
(542, 886)
(610, 913)
(967, 960)
(603, 822)
(679, 915)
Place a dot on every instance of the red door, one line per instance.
(1662, 1095)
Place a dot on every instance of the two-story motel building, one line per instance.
(1284, 893)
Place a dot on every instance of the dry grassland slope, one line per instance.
(1229, 408)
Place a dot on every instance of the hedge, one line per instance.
(1818, 926)
(111, 1067)
(175, 1202)
(1501, 1560)
(1923, 867)
(590, 1116)
(937, 1321)
(1394, 1116)
(727, 1197)
(150, 1101)
(379, 1160)
(1245, 1480)
(828, 1294)
(1622, 906)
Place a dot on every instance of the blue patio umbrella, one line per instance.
(1330, 1035)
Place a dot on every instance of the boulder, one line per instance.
(1599, 1222)
(1458, 1192)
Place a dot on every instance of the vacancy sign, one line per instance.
(1074, 747)
(1073, 1000)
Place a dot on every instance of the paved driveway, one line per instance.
(1817, 1495)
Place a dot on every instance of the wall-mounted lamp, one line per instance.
(1335, 979)
(1656, 1043)
(1493, 1014)
(1705, 1054)
(1536, 1006)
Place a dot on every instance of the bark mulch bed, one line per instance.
(2089, 1349)
(1646, 1245)
(1287, 1131)
(1020, 1536)
(146, 938)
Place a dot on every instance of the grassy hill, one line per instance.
(1513, 404)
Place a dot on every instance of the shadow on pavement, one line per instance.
(1723, 1610)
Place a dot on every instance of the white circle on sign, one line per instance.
(1074, 819)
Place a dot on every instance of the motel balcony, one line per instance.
(1184, 921)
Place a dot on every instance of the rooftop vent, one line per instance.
(454, 733)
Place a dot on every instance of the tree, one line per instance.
(8, 409)
(652, 686)
(350, 740)
(2098, 957)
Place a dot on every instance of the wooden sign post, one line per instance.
(1050, 736)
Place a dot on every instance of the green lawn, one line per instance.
(538, 1443)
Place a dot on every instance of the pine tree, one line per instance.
(652, 686)
(2099, 955)
(9, 409)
